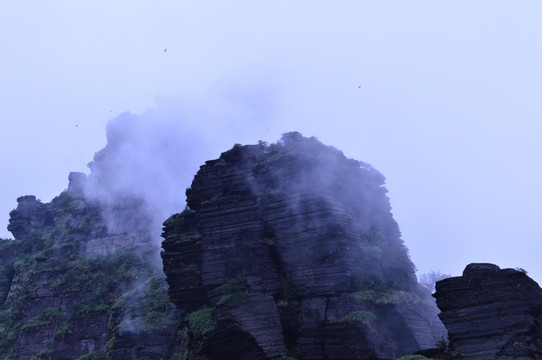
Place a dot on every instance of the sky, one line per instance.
(443, 98)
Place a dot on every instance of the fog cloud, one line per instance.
(151, 158)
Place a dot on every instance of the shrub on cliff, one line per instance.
(92, 356)
(363, 317)
(44, 318)
(201, 322)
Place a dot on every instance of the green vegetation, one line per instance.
(62, 332)
(91, 306)
(45, 354)
(394, 272)
(100, 273)
(383, 296)
(5, 319)
(158, 310)
(201, 322)
(110, 343)
(364, 317)
(6, 276)
(442, 344)
(234, 292)
(189, 236)
(147, 304)
(54, 253)
(233, 300)
(95, 355)
(44, 318)
(8, 334)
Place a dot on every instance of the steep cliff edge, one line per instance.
(290, 250)
(72, 289)
(492, 313)
(285, 251)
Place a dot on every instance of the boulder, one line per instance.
(492, 313)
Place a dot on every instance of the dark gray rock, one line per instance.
(29, 216)
(307, 235)
(76, 184)
(492, 313)
(68, 287)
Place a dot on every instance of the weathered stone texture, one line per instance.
(29, 216)
(492, 313)
(109, 245)
(307, 235)
(58, 290)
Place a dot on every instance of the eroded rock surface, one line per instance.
(290, 249)
(492, 313)
(29, 216)
(70, 287)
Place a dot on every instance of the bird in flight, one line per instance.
(165, 49)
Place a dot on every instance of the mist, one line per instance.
(441, 98)
(152, 157)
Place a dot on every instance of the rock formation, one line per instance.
(29, 216)
(492, 313)
(289, 250)
(285, 251)
(72, 289)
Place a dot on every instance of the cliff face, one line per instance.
(70, 288)
(492, 313)
(290, 249)
(284, 251)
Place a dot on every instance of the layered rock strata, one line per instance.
(492, 313)
(71, 288)
(30, 215)
(290, 249)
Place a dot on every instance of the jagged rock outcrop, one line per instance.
(290, 249)
(492, 313)
(29, 216)
(285, 251)
(76, 184)
(70, 288)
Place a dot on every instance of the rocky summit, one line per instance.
(290, 250)
(284, 251)
(70, 288)
(492, 313)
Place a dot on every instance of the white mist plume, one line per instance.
(140, 177)
(151, 158)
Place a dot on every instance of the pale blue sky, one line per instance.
(443, 97)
